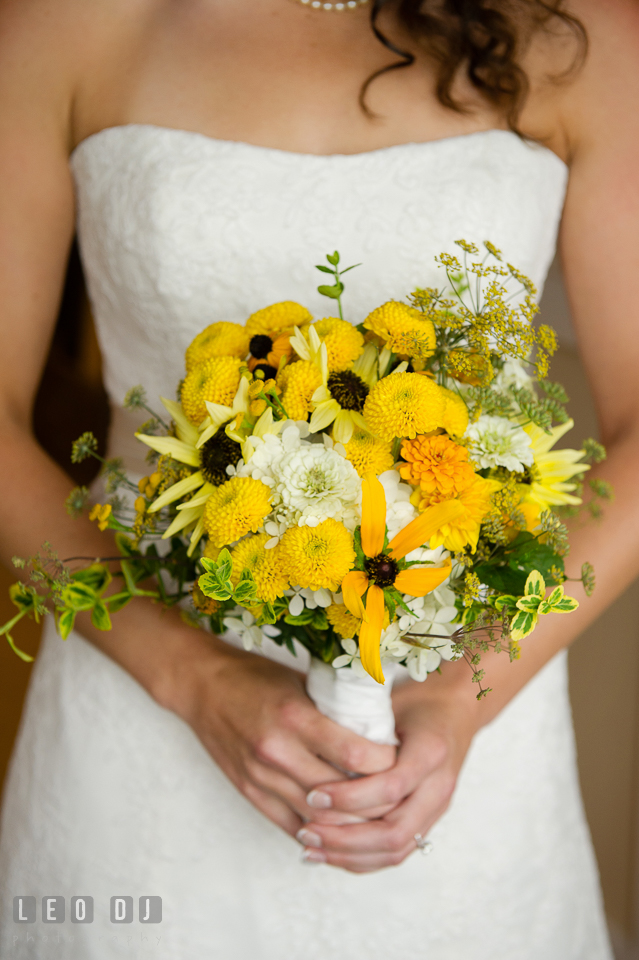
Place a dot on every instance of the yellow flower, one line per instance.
(463, 529)
(436, 465)
(368, 454)
(101, 513)
(403, 405)
(342, 620)
(381, 567)
(216, 380)
(203, 603)
(317, 557)
(403, 329)
(217, 340)
(298, 382)
(277, 319)
(455, 419)
(344, 342)
(237, 507)
(265, 566)
(341, 396)
(552, 469)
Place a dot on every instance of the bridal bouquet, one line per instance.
(382, 493)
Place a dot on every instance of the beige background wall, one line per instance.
(604, 665)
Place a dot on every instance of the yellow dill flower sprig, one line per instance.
(317, 557)
(236, 508)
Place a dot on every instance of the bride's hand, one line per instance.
(435, 727)
(256, 721)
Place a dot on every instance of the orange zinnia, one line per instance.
(382, 569)
(437, 465)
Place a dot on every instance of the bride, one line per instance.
(212, 151)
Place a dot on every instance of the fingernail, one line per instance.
(313, 856)
(308, 838)
(319, 800)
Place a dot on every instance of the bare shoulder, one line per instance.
(50, 49)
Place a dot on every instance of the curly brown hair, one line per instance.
(484, 38)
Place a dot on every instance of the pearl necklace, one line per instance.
(340, 5)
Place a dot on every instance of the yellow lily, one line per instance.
(382, 569)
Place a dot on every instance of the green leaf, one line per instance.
(267, 615)
(245, 591)
(333, 292)
(96, 576)
(23, 656)
(21, 596)
(124, 545)
(333, 258)
(535, 585)
(565, 605)
(528, 604)
(522, 624)
(118, 601)
(324, 269)
(224, 565)
(505, 600)
(100, 617)
(306, 616)
(209, 565)
(79, 596)
(211, 587)
(65, 623)
(319, 621)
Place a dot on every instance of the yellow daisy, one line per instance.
(403, 405)
(340, 398)
(403, 329)
(552, 470)
(216, 380)
(217, 340)
(317, 557)
(236, 508)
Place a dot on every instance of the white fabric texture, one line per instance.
(110, 795)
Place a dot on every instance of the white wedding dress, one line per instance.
(110, 795)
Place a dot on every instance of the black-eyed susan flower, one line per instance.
(382, 567)
(403, 405)
(317, 557)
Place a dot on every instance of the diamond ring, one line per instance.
(424, 845)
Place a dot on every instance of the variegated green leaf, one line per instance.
(535, 585)
(565, 605)
(528, 604)
(522, 624)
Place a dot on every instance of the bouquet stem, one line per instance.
(354, 701)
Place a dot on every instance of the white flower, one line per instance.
(512, 374)
(431, 620)
(496, 442)
(315, 483)
(305, 597)
(245, 626)
(350, 658)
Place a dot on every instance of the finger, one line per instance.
(287, 790)
(286, 751)
(395, 831)
(273, 808)
(418, 757)
(359, 863)
(344, 749)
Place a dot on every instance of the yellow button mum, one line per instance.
(265, 566)
(455, 419)
(342, 620)
(318, 557)
(235, 508)
(403, 329)
(403, 405)
(277, 319)
(218, 340)
(344, 342)
(369, 454)
(215, 380)
(298, 382)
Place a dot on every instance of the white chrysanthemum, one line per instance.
(512, 374)
(245, 626)
(496, 442)
(399, 510)
(315, 483)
